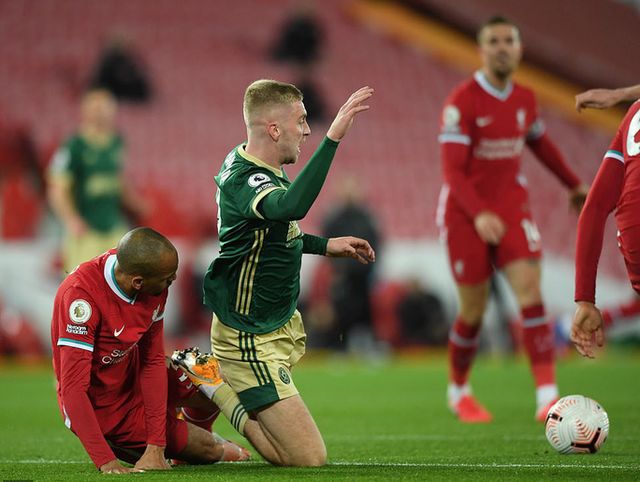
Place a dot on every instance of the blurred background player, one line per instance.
(484, 211)
(87, 190)
(615, 187)
(257, 334)
(352, 283)
(114, 390)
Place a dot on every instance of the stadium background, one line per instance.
(200, 55)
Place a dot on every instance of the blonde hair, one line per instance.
(268, 93)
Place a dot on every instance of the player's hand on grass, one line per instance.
(153, 459)
(344, 117)
(350, 247)
(490, 227)
(115, 467)
(598, 99)
(587, 328)
(577, 197)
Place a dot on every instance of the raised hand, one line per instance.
(344, 117)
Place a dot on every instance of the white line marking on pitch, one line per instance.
(387, 464)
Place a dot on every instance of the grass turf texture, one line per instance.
(379, 423)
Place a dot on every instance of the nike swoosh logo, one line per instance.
(116, 333)
(483, 121)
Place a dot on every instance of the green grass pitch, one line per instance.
(386, 422)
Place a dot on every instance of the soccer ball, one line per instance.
(576, 425)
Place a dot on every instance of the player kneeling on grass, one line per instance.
(253, 285)
(114, 389)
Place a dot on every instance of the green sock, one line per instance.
(231, 406)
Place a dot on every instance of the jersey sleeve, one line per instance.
(249, 187)
(455, 151)
(78, 319)
(153, 382)
(62, 165)
(547, 151)
(601, 200)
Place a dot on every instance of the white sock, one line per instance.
(456, 392)
(546, 394)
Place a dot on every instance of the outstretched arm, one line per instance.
(294, 202)
(350, 247)
(604, 98)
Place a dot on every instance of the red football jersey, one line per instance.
(110, 347)
(616, 186)
(494, 125)
(625, 148)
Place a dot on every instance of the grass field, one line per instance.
(379, 423)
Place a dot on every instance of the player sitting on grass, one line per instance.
(114, 390)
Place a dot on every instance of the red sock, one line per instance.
(201, 417)
(463, 343)
(538, 341)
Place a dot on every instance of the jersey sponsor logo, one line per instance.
(261, 188)
(259, 178)
(116, 333)
(284, 376)
(484, 121)
(79, 311)
(504, 148)
(116, 356)
(77, 330)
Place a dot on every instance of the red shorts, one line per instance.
(473, 261)
(129, 440)
(629, 244)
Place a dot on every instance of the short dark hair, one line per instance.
(139, 251)
(495, 20)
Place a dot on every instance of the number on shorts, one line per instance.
(532, 234)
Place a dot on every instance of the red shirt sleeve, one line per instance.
(549, 154)
(79, 319)
(602, 199)
(455, 152)
(153, 382)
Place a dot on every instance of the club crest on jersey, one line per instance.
(521, 117)
(79, 311)
(256, 179)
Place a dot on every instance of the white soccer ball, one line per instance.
(576, 425)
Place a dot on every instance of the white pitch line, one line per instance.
(386, 464)
(438, 438)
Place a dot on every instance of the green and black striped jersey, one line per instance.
(254, 283)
